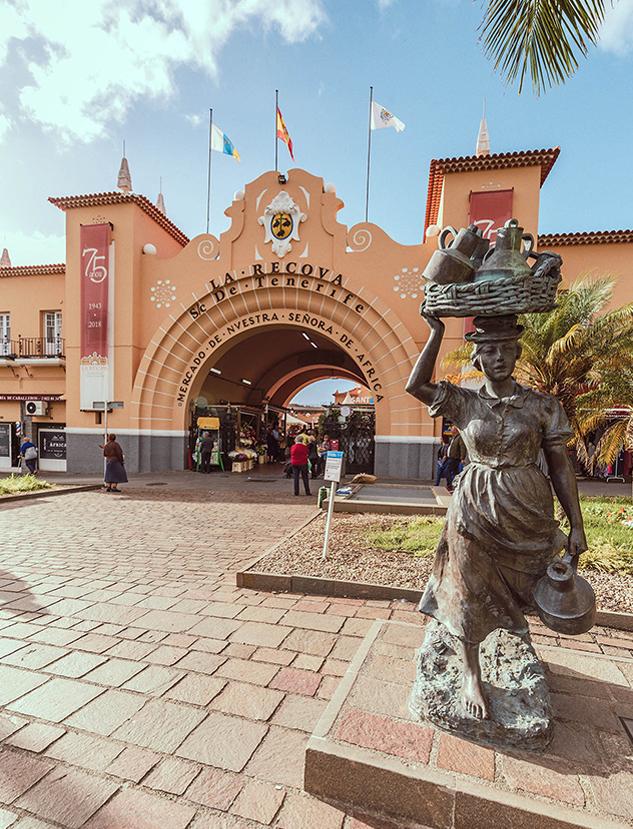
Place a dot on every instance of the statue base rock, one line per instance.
(514, 684)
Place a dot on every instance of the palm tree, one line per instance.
(585, 359)
(542, 38)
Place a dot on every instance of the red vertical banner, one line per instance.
(489, 210)
(95, 279)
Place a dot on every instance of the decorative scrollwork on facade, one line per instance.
(209, 248)
(359, 239)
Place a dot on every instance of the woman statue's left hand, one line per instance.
(576, 545)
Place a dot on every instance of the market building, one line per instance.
(170, 328)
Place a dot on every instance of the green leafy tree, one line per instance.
(584, 357)
(542, 39)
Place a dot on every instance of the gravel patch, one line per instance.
(352, 558)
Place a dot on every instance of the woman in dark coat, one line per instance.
(114, 469)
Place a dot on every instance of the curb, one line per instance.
(315, 586)
(47, 493)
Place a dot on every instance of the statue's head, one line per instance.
(497, 346)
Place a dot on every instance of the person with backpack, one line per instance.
(28, 451)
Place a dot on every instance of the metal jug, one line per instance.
(564, 600)
(458, 262)
(508, 257)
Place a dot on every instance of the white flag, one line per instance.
(381, 118)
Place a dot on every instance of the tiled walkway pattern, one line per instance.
(140, 689)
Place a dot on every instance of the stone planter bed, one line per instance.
(54, 489)
(352, 560)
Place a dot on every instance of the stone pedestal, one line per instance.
(369, 753)
(513, 680)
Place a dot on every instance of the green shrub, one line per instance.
(15, 484)
(610, 541)
(419, 536)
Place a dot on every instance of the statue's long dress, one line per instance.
(500, 532)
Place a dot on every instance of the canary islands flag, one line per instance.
(222, 143)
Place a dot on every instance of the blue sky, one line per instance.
(77, 78)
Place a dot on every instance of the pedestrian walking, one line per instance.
(114, 468)
(313, 456)
(28, 451)
(272, 445)
(206, 451)
(299, 461)
(442, 455)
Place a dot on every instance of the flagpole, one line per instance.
(371, 100)
(209, 167)
(276, 139)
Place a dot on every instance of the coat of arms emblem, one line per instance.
(281, 222)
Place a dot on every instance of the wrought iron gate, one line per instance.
(356, 438)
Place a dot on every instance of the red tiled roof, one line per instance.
(33, 270)
(98, 199)
(471, 163)
(597, 237)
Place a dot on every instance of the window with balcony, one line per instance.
(5, 335)
(53, 343)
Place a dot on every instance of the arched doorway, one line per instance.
(352, 333)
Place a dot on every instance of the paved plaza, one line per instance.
(140, 688)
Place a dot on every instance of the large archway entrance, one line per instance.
(265, 345)
(248, 384)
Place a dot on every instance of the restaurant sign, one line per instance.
(48, 397)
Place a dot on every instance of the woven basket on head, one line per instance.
(523, 295)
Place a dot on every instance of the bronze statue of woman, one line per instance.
(500, 532)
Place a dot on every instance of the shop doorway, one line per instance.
(250, 383)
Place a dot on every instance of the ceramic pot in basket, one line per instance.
(458, 261)
(508, 257)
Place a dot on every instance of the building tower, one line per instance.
(160, 200)
(483, 139)
(124, 180)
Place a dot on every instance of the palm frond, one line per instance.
(611, 442)
(542, 38)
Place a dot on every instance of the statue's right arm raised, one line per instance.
(419, 383)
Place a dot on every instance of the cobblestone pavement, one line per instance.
(139, 688)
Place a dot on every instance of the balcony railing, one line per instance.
(32, 348)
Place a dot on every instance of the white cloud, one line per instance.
(5, 125)
(33, 248)
(616, 35)
(194, 119)
(90, 61)
(384, 4)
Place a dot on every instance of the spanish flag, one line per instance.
(282, 132)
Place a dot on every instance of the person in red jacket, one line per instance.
(299, 460)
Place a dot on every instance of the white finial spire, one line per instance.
(5, 259)
(160, 201)
(124, 180)
(483, 139)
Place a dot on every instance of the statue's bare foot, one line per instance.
(473, 699)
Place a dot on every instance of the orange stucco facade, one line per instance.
(253, 316)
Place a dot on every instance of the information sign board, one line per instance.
(333, 466)
(208, 423)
